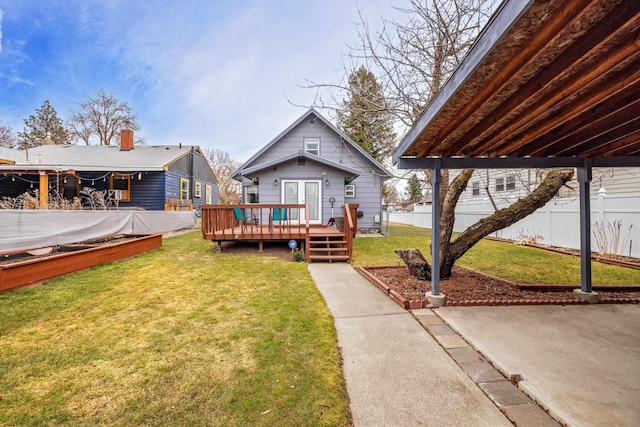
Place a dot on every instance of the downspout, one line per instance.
(192, 181)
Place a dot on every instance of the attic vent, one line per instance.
(301, 161)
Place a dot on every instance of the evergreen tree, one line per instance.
(363, 115)
(414, 189)
(44, 122)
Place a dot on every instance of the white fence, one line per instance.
(557, 223)
(29, 229)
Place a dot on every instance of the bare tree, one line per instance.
(8, 137)
(100, 119)
(223, 166)
(412, 59)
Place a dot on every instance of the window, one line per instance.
(350, 190)
(499, 184)
(251, 194)
(197, 190)
(70, 187)
(312, 146)
(184, 189)
(475, 188)
(511, 182)
(207, 194)
(122, 183)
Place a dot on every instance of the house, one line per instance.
(504, 184)
(312, 162)
(148, 177)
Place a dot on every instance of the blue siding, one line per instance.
(147, 192)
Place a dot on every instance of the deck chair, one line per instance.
(241, 218)
(280, 215)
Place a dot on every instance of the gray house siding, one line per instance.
(368, 185)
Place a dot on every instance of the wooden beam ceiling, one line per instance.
(564, 80)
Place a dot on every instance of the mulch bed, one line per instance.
(465, 287)
(468, 287)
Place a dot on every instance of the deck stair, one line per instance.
(327, 247)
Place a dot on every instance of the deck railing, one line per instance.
(350, 225)
(253, 221)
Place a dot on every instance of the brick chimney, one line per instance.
(126, 140)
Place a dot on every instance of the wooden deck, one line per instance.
(280, 222)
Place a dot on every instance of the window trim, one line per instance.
(247, 195)
(314, 140)
(500, 184)
(350, 191)
(207, 194)
(510, 183)
(475, 188)
(184, 191)
(125, 195)
(197, 191)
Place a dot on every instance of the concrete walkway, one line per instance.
(396, 373)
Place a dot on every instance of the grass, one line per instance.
(513, 262)
(178, 336)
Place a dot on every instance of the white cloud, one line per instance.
(208, 73)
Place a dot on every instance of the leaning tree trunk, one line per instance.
(451, 251)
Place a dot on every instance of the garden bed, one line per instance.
(469, 287)
(33, 266)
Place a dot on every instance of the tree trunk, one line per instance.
(548, 188)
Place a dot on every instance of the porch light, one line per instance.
(275, 181)
(326, 182)
(139, 176)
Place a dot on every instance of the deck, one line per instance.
(280, 222)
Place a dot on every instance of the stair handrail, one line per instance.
(349, 229)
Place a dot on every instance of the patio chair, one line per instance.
(241, 218)
(280, 215)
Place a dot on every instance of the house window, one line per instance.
(475, 188)
(207, 194)
(499, 184)
(251, 194)
(312, 146)
(511, 182)
(121, 184)
(70, 187)
(184, 189)
(198, 190)
(350, 190)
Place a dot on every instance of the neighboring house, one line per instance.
(516, 183)
(314, 163)
(143, 177)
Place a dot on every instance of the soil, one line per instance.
(468, 287)
(15, 257)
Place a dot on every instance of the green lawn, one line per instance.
(178, 336)
(507, 260)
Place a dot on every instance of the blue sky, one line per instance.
(211, 73)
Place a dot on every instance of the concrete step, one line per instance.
(329, 258)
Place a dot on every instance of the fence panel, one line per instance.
(556, 224)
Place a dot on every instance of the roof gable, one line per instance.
(300, 154)
(311, 114)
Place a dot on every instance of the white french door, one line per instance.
(304, 192)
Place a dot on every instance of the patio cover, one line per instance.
(549, 83)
